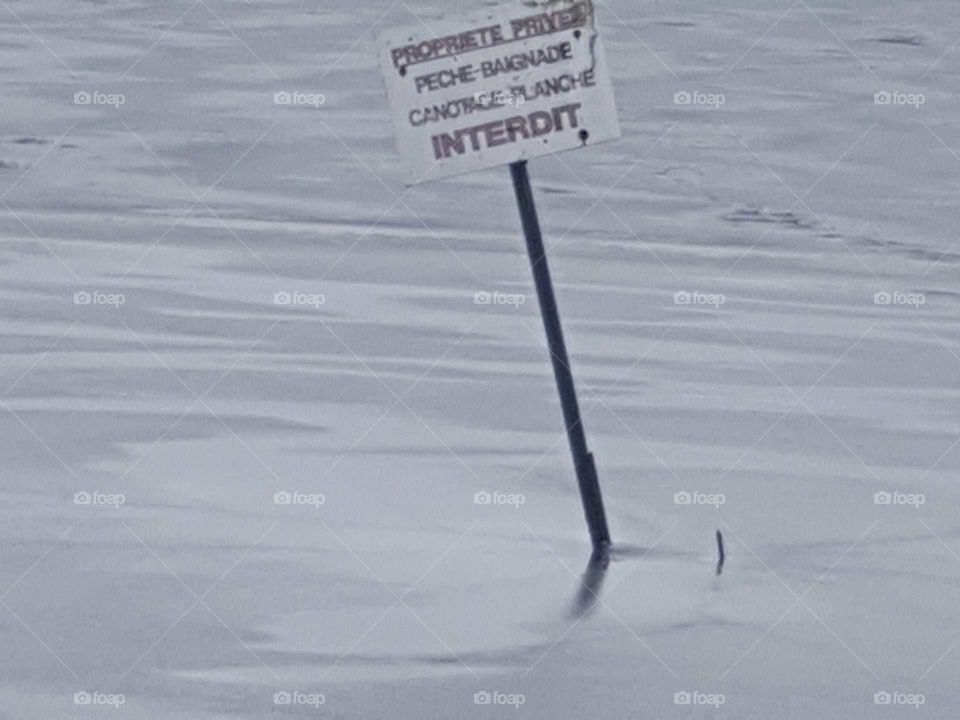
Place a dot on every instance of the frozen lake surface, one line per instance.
(795, 392)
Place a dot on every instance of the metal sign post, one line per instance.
(582, 457)
(495, 88)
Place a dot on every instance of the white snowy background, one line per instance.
(198, 398)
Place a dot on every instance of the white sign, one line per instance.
(510, 84)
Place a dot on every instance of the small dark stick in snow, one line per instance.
(722, 555)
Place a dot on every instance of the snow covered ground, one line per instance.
(183, 387)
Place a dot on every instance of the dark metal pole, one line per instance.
(582, 458)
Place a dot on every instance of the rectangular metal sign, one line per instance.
(508, 84)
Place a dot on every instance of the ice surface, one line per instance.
(798, 398)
